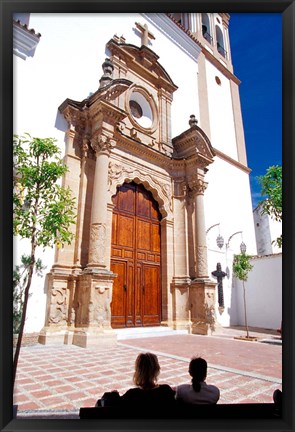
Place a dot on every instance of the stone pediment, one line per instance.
(143, 61)
(191, 143)
(108, 93)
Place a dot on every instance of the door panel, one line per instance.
(118, 305)
(151, 298)
(125, 231)
(136, 257)
(143, 235)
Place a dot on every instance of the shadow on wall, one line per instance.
(60, 122)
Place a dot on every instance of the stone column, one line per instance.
(99, 212)
(202, 290)
(198, 189)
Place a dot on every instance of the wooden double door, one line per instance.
(136, 258)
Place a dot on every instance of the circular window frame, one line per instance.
(147, 122)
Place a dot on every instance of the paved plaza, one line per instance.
(58, 380)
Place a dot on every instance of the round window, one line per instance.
(135, 109)
(141, 110)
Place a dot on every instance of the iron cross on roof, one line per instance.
(145, 33)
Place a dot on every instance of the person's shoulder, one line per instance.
(213, 387)
(183, 386)
(132, 392)
(166, 388)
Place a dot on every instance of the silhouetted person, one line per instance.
(147, 390)
(198, 392)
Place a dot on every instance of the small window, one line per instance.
(218, 80)
(206, 28)
(220, 41)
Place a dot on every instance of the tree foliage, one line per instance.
(271, 188)
(242, 266)
(43, 209)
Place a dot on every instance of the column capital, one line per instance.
(197, 186)
(102, 144)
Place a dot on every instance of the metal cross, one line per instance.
(219, 274)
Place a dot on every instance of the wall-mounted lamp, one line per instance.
(220, 239)
(243, 247)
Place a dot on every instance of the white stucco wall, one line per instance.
(67, 64)
(222, 126)
(263, 294)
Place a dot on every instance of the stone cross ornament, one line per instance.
(145, 33)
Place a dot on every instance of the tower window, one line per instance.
(206, 28)
(220, 41)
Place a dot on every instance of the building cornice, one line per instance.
(232, 161)
(178, 35)
(25, 40)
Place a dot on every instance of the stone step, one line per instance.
(145, 332)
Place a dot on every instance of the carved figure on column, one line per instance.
(219, 274)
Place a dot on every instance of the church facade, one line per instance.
(157, 164)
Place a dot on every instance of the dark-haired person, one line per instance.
(198, 392)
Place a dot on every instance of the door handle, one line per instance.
(125, 287)
(143, 289)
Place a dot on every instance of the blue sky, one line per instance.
(256, 47)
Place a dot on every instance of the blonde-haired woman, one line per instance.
(147, 390)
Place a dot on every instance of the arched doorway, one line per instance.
(136, 258)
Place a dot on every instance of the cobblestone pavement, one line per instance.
(61, 379)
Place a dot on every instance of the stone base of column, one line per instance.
(202, 306)
(92, 337)
(55, 336)
(181, 306)
(182, 325)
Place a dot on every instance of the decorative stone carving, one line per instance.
(102, 143)
(58, 313)
(197, 186)
(201, 254)
(97, 242)
(99, 310)
(119, 174)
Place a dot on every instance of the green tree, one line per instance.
(271, 188)
(241, 268)
(43, 210)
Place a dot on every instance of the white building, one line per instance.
(170, 68)
(267, 230)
